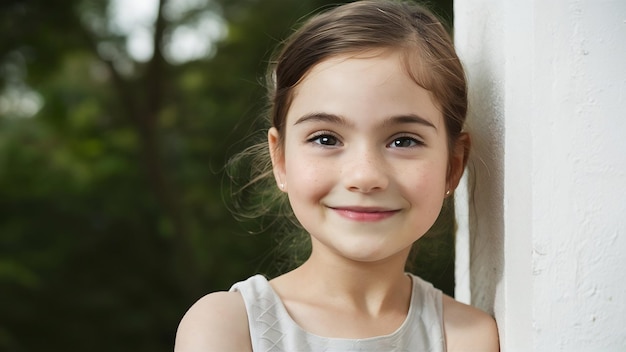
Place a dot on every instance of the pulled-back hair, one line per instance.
(362, 26)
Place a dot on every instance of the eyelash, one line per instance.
(316, 139)
(325, 135)
(415, 142)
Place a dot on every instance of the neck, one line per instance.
(370, 285)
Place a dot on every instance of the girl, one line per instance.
(368, 104)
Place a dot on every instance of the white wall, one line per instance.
(546, 231)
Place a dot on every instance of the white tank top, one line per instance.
(272, 329)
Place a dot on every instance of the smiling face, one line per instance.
(364, 157)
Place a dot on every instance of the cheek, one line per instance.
(430, 175)
(307, 176)
(427, 196)
(308, 182)
(426, 184)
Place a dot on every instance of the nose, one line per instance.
(365, 172)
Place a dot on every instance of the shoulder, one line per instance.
(216, 322)
(468, 328)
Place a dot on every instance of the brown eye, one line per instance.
(325, 140)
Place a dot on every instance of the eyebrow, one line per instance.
(393, 120)
(409, 119)
(323, 117)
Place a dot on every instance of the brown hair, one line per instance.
(365, 25)
(353, 28)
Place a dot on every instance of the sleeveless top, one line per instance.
(272, 329)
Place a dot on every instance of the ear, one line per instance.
(278, 158)
(458, 160)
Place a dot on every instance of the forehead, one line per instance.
(371, 82)
(391, 60)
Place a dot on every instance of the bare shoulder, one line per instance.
(468, 328)
(217, 322)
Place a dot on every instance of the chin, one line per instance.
(370, 254)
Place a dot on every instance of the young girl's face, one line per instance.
(365, 157)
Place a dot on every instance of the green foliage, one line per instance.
(112, 211)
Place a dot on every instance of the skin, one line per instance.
(366, 166)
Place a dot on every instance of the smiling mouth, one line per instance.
(364, 214)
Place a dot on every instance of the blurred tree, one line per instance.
(112, 214)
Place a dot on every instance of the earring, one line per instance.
(447, 192)
(282, 186)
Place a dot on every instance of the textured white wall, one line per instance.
(548, 179)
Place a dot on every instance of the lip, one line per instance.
(365, 214)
